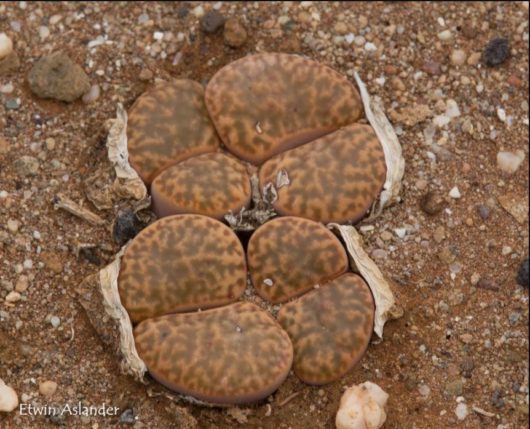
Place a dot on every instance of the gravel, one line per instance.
(411, 67)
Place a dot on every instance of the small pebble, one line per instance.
(424, 390)
(445, 35)
(126, 226)
(379, 254)
(145, 74)
(386, 236)
(8, 88)
(400, 232)
(47, 388)
(55, 321)
(497, 51)
(506, 250)
(370, 47)
(44, 32)
(487, 284)
(509, 162)
(235, 34)
(432, 203)
(461, 411)
(198, 11)
(455, 193)
(128, 416)
(474, 59)
(8, 398)
(484, 211)
(432, 67)
(13, 297)
(22, 284)
(212, 22)
(6, 45)
(13, 225)
(522, 274)
(496, 399)
(458, 57)
(359, 40)
(92, 95)
(12, 103)
(501, 114)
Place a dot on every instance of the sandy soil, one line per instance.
(460, 339)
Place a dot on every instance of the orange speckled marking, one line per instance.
(264, 104)
(333, 179)
(330, 328)
(211, 184)
(181, 263)
(229, 355)
(287, 256)
(168, 124)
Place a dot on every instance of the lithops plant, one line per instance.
(335, 178)
(330, 328)
(168, 124)
(227, 355)
(288, 256)
(210, 184)
(272, 134)
(264, 104)
(181, 263)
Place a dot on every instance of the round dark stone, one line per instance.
(497, 51)
(484, 211)
(126, 226)
(212, 21)
(522, 274)
(432, 203)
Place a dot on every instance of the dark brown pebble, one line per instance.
(431, 67)
(212, 22)
(432, 203)
(487, 284)
(468, 30)
(484, 211)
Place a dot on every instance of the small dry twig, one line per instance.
(289, 398)
(482, 412)
(62, 202)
